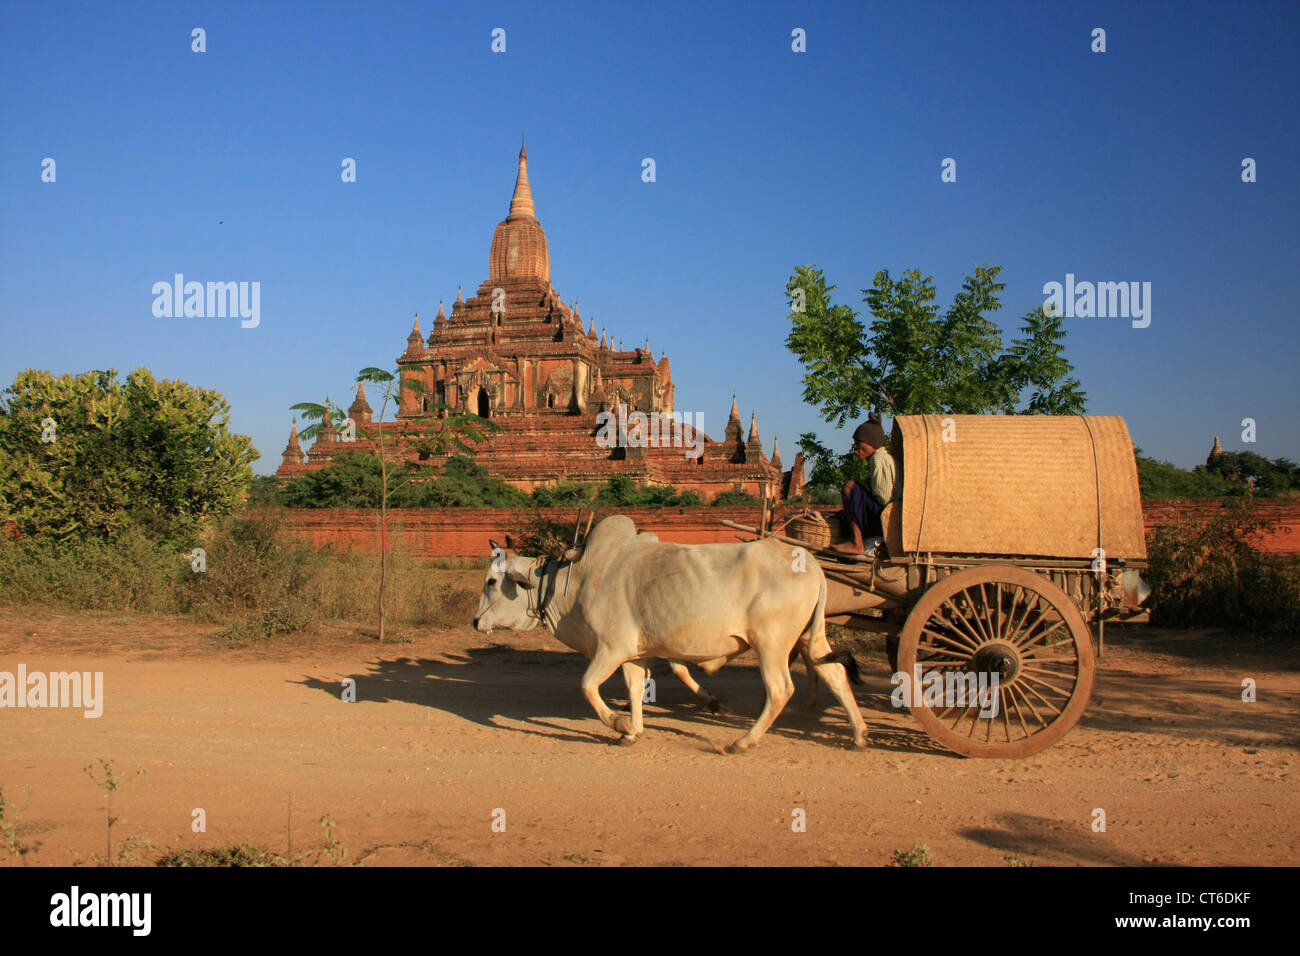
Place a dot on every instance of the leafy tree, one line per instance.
(733, 498)
(1246, 468)
(1163, 481)
(564, 493)
(87, 455)
(1230, 474)
(829, 470)
(264, 492)
(913, 359)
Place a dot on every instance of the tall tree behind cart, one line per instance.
(914, 360)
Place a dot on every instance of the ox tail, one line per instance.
(842, 657)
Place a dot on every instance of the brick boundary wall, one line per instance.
(463, 532)
(1284, 512)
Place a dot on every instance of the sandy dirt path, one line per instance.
(450, 727)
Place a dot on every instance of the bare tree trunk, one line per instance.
(383, 522)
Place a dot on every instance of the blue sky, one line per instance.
(1115, 166)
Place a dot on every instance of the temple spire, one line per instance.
(521, 203)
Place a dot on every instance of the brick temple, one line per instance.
(517, 354)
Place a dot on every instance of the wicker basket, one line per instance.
(810, 528)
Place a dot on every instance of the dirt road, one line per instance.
(453, 726)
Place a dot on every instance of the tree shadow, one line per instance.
(1022, 834)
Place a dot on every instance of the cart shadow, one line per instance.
(532, 691)
(1200, 708)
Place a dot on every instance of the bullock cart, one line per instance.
(1011, 540)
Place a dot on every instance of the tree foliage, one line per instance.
(1230, 474)
(88, 455)
(914, 359)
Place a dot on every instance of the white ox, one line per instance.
(627, 598)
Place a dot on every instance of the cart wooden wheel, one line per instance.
(1004, 622)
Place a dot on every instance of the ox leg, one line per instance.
(774, 665)
(632, 726)
(837, 680)
(601, 669)
(683, 674)
(810, 670)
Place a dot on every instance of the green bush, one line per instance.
(1208, 573)
(89, 456)
(131, 573)
(258, 581)
(730, 499)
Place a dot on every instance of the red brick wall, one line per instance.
(1283, 539)
(435, 532)
(465, 531)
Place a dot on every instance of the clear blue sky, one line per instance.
(1122, 166)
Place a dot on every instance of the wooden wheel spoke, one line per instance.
(967, 629)
(1044, 683)
(1019, 715)
(1030, 643)
(1017, 625)
(981, 612)
(948, 641)
(1032, 709)
(1005, 623)
(1045, 702)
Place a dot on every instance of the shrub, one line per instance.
(1209, 573)
(729, 499)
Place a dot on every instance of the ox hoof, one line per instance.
(738, 747)
(714, 705)
(861, 742)
(627, 740)
(623, 724)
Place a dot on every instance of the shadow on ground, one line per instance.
(500, 686)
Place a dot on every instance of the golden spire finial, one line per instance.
(521, 203)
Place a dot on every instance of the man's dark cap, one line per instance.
(870, 432)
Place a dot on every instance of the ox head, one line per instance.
(506, 600)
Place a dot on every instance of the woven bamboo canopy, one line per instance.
(1019, 485)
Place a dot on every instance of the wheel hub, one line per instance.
(997, 658)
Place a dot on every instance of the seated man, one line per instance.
(863, 504)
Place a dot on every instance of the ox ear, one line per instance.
(574, 554)
(495, 546)
(520, 578)
(510, 543)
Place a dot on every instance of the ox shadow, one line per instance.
(528, 691)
